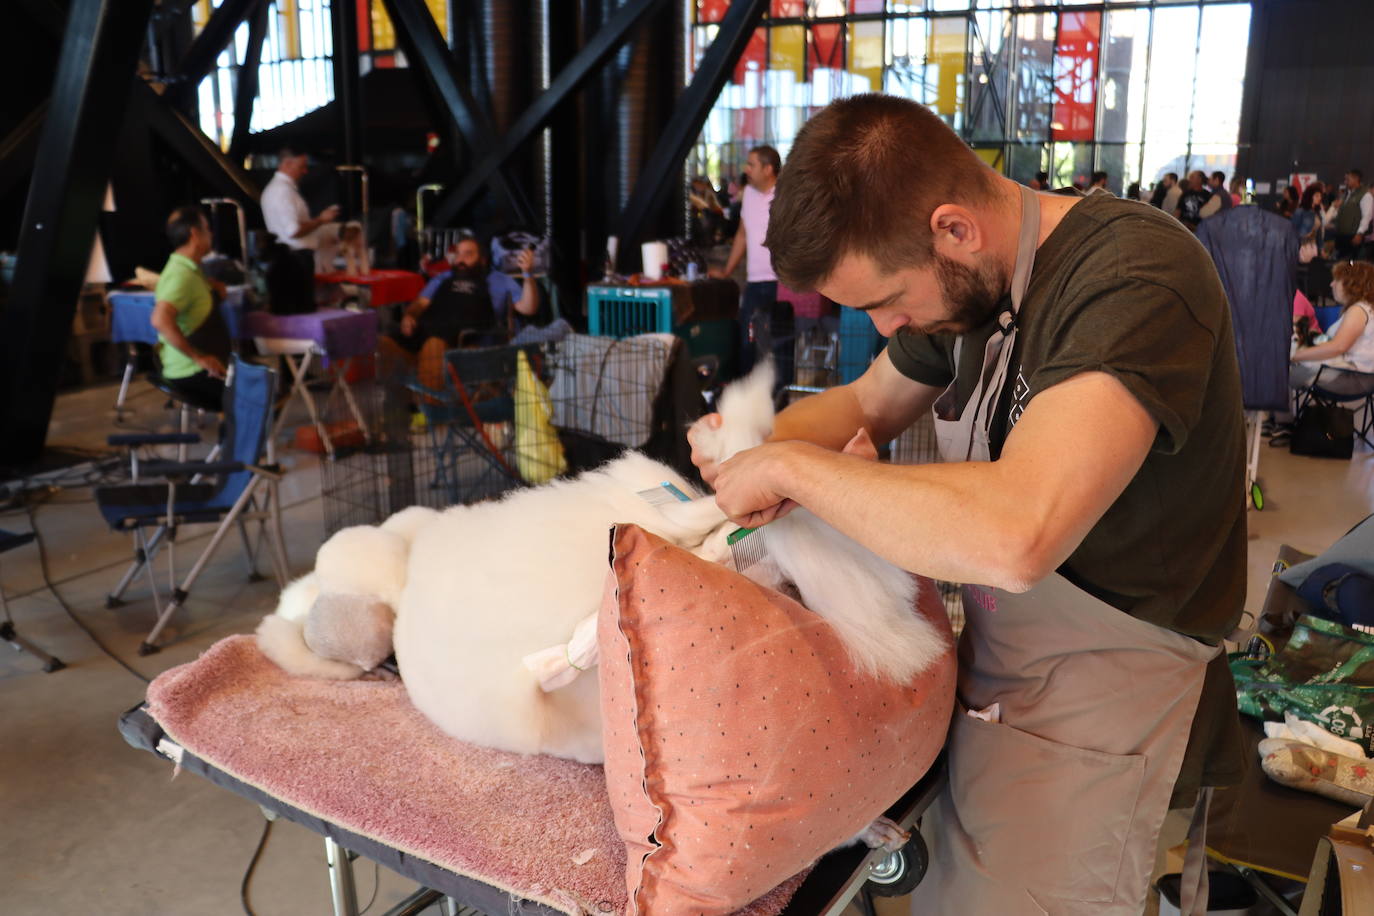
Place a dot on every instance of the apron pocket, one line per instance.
(1042, 815)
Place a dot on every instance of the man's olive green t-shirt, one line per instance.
(1122, 288)
(184, 286)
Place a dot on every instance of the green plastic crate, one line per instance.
(623, 311)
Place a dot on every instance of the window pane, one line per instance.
(817, 9)
(1025, 161)
(1034, 76)
(989, 82)
(946, 52)
(787, 50)
(707, 10)
(1120, 164)
(906, 39)
(787, 9)
(1072, 164)
(1168, 108)
(865, 6)
(993, 156)
(866, 56)
(1125, 54)
(1075, 76)
(1221, 73)
(941, 5)
(751, 61)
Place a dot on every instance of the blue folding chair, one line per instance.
(228, 488)
(479, 390)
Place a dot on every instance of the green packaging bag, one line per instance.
(1325, 675)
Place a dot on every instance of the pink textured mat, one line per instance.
(357, 753)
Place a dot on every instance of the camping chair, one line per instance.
(470, 422)
(1335, 387)
(9, 541)
(225, 489)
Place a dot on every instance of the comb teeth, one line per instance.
(663, 494)
(746, 548)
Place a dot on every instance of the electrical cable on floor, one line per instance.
(252, 864)
(376, 880)
(47, 579)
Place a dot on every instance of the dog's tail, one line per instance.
(746, 413)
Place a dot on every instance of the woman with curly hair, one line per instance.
(1350, 339)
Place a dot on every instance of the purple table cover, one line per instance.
(338, 333)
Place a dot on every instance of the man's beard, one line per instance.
(467, 270)
(972, 294)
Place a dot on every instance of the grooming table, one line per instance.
(500, 832)
(131, 323)
(334, 335)
(379, 288)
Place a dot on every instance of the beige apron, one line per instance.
(1056, 798)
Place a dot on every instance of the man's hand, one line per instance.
(210, 364)
(329, 214)
(749, 487)
(408, 324)
(217, 287)
(525, 261)
(1357, 240)
(717, 273)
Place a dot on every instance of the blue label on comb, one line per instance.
(682, 497)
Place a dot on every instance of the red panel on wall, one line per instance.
(755, 56)
(364, 25)
(1075, 75)
(787, 9)
(825, 47)
(711, 10)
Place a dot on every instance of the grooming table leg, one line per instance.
(341, 886)
(344, 366)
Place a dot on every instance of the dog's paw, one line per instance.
(884, 834)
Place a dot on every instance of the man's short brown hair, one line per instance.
(863, 177)
(769, 156)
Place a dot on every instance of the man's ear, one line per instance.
(955, 229)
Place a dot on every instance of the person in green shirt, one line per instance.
(193, 342)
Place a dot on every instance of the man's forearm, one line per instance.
(827, 419)
(528, 303)
(946, 521)
(736, 253)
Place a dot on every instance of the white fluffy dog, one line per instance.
(488, 585)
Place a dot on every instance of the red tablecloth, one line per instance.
(387, 287)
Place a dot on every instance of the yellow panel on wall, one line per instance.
(290, 29)
(439, 10)
(866, 53)
(383, 33)
(992, 157)
(787, 49)
(946, 50)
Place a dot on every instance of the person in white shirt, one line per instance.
(285, 211)
(761, 286)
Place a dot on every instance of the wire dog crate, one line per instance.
(506, 417)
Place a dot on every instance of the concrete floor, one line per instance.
(86, 818)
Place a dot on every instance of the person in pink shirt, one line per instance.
(761, 286)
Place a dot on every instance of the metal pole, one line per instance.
(341, 887)
(344, 16)
(95, 72)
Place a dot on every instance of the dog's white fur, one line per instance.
(488, 584)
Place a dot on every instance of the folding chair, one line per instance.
(470, 464)
(8, 542)
(231, 497)
(1335, 387)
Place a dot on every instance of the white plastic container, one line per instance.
(655, 256)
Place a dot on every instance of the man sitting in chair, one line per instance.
(467, 306)
(193, 340)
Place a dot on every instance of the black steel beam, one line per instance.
(189, 142)
(347, 100)
(584, 64)
(19, 148)
(426, 51)
(200, 57)
(246, 89)
(95, 70)
(689, 115)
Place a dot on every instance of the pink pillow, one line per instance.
(741, 744)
